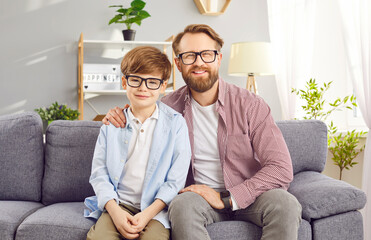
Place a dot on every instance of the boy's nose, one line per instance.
(143, 86)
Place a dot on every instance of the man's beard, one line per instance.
(200, 85)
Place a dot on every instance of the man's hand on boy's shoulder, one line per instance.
(116, 117)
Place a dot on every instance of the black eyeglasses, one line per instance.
(188, 58)
(136, 81)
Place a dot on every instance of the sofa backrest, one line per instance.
(307, 143)
(21, 157)
(70, 146)
(68, 157)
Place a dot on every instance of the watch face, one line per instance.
(224, 194)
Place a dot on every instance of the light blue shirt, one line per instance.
(167, 166)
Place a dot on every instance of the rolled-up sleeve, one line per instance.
(270, 151)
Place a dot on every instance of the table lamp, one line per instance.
(250, 59)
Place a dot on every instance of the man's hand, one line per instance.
(116, 117)
(209, 194)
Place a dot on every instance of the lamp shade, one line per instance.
(250, 58)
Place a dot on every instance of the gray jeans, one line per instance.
(276, 211)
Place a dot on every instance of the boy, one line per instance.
(139, 169)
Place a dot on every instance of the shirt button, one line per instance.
(126, 142)
(122, 160)
(137, 121)
(141, 130)
(116, 178)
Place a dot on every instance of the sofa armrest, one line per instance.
(321, 196)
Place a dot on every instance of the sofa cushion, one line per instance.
(12, 214)
(307, 143)
(239, 230)
(321, 196)
(62, 221)
(21, 157)
(343, 226)
(68, 156)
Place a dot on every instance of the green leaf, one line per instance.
(115, 19)
(144, 14)
(137, 5)
(122, 10)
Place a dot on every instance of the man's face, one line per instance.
(199, 76)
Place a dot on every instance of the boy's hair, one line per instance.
(198, 28)
(146, 60)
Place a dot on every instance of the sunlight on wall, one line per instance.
(37, 60)
(37, 57)
(33, 5)
(14, 108)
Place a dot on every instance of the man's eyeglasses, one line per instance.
(188, 58)
(136, 81)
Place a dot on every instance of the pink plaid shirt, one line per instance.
(253, 154)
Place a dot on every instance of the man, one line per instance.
(240, 167)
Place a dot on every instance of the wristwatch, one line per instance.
(225, 196)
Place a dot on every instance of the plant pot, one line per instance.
(129, 34)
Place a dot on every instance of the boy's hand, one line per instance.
(123, 220)
(116, 117)
(124, 224)
(141, 220)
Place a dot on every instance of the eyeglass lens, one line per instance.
(151, 83)
(207, 56)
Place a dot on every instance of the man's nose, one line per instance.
(199, 60)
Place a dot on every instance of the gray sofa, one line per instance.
(43, 185)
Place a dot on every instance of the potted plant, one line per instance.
(343, 147)
(56, 112)
(128, 16)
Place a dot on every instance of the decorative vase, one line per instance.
(129, 34)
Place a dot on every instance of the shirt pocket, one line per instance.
(239, 146)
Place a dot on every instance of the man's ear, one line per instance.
(123, 79)
(177, 62)
(220, 56)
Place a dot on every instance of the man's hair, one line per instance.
(198, 28)
(146, 60)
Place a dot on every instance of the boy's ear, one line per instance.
(123, 80)
(163, 87)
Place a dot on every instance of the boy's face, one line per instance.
(142, 97)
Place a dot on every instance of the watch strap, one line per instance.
(225, 196)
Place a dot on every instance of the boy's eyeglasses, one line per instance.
(188, 58)
(136, 81)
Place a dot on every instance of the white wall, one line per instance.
(38, 45)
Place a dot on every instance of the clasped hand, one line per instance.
(130, 226)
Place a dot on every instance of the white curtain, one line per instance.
(356, 20)
(291, 27)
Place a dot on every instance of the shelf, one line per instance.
(92, 94)
(120, 44)
(115, 92)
